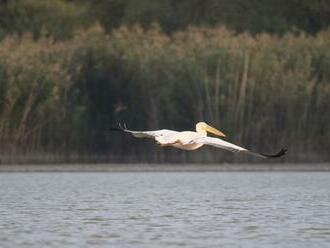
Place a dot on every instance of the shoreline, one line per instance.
(225, 167)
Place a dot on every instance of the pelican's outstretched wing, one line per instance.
(145, 134)
(234, 148)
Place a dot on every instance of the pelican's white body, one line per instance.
(188, 140)
(183, 140)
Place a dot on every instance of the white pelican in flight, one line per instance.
(189, 140)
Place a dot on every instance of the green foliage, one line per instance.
(56, 18)
(69, 69)
(255, 16)
(59, 18)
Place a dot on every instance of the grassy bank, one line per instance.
(264, 92)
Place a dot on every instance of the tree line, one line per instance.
(59, 18)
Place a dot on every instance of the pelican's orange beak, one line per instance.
(214, 131)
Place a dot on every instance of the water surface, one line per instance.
(163, 209)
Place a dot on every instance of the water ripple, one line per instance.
(165, 210)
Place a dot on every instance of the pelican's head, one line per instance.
(202, 127)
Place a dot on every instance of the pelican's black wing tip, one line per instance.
(120, 127)
(281, 153)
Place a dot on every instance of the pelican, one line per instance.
(190, 140)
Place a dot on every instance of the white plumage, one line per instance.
(189, 140)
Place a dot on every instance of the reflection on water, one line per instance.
(165, 209)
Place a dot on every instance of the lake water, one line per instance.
(164, 209)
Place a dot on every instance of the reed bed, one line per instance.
(264, 92)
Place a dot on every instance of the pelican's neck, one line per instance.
(201, 130)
